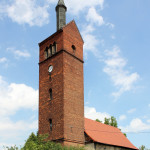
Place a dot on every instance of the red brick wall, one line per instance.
(51, 109)
(67, 107)
(73, 99)
(71, 36)
(56, 37)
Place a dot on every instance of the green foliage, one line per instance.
(125, 134)
(112, 121)
(12, 148)
(40, 142)
(98, 120)
(107, 121)
(143, 148)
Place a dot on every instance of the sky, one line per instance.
(116, 69)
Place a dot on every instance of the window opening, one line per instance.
(54, 47)
(51, 125)
(74, 48)
(50, 94)
(46, 52)
(50, 50)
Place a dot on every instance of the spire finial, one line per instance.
(61, 14)
(61, 2)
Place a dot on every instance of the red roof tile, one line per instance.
(106, 134)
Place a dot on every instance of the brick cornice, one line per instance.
(61, 51)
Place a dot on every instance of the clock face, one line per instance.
(50, 69)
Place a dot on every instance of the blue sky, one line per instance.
(116, 69)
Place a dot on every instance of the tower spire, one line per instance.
(61, 14)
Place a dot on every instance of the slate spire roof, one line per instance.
(61, 14)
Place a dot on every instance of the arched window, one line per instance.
(50, 47)
(50, 94)
(51, 125)
(54, 48)
(46, 53)
(73, 48)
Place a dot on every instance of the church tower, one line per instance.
(61, 87)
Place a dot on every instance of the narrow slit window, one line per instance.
(73, 48)
(50, 94)
(50, 50)
(54, 48)
(51, 125)
(46, 52)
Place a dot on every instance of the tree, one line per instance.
(98, 120)
(107, 121)
(112, 121)
(40, 142)
(143, 148)
(125, 134)
(11, 148)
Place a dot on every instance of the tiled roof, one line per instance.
(106, 134)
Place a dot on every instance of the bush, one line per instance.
(39, 142)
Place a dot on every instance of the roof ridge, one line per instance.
(104, 124)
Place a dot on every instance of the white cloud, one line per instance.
(90, 41)
(19, 53)
(76, 6)
(131, 110)
(88, 29)
(115, 69)
(94, 17)
(136, 125)
(110, 25)
(91, 113)
(16, 96)
(13, 133)
(3, 59)
(36, 14)
(26, 12)
(122, 117)
(7, 126)
(148, 121)
(30, 12)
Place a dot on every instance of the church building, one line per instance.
(61, 92)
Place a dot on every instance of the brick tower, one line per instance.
(61, 89)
